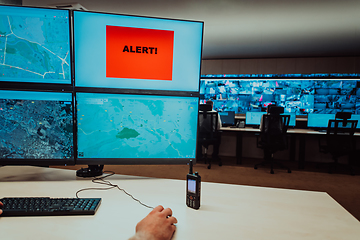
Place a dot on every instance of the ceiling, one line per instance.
(253, 28)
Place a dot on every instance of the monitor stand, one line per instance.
(91, 171)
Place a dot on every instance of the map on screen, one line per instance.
(34, 45)
(136, 126)
(36, 125)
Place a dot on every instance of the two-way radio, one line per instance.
(193, 185)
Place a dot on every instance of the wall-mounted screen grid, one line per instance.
(298, 96)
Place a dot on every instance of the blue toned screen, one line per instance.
(34, 45)
(136, 126)
(253, 118)
(36, 125)
(299, 96)
(227, 118)
(191, 185)
(93, 68)
(356, 117)
(292, 121)
(319, 120)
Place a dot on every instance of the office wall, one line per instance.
(282, 65)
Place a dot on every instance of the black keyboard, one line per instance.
(45, 206)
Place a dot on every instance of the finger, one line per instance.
(167, 212)
(158, 209)
(1, 211)
(172, 220)
(173, 228)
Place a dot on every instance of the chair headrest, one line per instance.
(274, 110)
(205, 107)
(343, 115)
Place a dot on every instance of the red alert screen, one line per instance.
(139, 53)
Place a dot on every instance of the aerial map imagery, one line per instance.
(35, 47)
(134, 126)
(36, 129)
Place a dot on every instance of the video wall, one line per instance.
(299, 96)
(97, 88)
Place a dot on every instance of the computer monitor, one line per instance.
(356, 117)
(135, 129)
(227, 118)
(319, 120)
(136, 105)
(133, 52)
(35, 45)
(292, 122)
(253, 118)
(36, 128)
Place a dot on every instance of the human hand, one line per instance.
(157, 225)
(1, 204)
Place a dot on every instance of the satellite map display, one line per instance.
(136, 126)
(36, 125)
(34, 45)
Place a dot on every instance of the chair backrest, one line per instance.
(339, 134)
(205, 107)
(274, 109)
(343, 115)
(273, 131)
(208, 124)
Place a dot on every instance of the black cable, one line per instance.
(100, 180)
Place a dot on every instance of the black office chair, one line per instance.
(208, 134)
(339, 139)
(272, 137)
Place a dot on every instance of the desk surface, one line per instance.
(227, 211)
(290, 130)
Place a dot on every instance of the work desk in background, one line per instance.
(227, 211)
(294, 134)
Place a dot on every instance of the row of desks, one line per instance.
(294, 134)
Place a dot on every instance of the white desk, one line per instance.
(227, 211)
(293, 132)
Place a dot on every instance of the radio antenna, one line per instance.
(191, 167)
